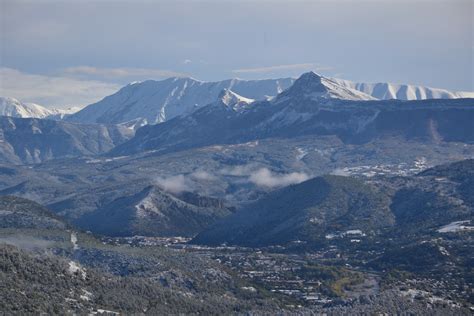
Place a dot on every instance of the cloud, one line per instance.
(186, 182)
(174, 184)
(266, 178)
(341, 172)
(203, 175)
(187, 61)
(52, 91)
(263, 177)
(307, 66)
(122, 73)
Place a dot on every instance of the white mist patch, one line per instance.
(266, 178)
(174, 184)
(202, 175)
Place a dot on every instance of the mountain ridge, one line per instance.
(300, 111)
(31, 140)
(389, 91)
(314, 86)
(14, 108)
(152, 102)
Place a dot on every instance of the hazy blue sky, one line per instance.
(68, 53)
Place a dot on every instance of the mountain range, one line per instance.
(389, 91)
(313, 105)
(152, 102)
(107, 179)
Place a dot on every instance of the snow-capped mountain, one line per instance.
(61, 114)
(152, 102)
(316, 106)
(388, 91)
(316, 87)
(233, 100)
(14, 108)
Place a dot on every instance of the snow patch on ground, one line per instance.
(349, 233)
(75, 268)
(74, 241)
(415, 294)
(86, 295)
(104, 311)
(455, 227)
(147, 206)
(402, 169)
(354, 232)
(94, 161)
(443, 251)
(249, 288)
(301, 153)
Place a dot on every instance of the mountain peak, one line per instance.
(13, 107)
(311, 85)
(311, 81)
(311, 75)
(233, 100)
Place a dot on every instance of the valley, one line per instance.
(318, 198)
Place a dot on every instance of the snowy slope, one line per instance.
(233, 100)
(13, 107)
(387, 91)
(61, 114)
(313, 105)
(152, 102)
(313, 86)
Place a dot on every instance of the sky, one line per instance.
(73, 53)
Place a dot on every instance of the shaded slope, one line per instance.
(406, 209)
(153, 212)
(35, 140)
(306, 211)
(21, 213)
